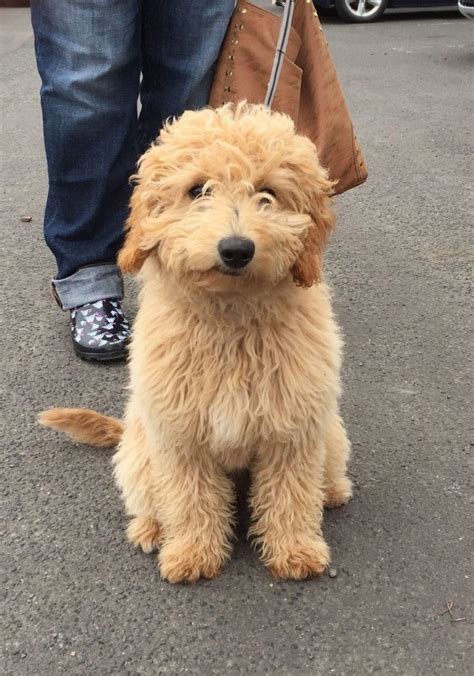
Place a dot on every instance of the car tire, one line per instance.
(360, 11)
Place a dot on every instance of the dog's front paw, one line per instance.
(144, 533)
(188, 563)
(338, 493)
(300, 560)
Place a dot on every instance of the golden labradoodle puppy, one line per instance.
(235, 355)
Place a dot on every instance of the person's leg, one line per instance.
(88, 56)
(180, 46)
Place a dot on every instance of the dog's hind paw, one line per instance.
(301, 560)
(144, 533)
(338, 494)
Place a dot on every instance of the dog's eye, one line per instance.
(196, 191)
(265, 193)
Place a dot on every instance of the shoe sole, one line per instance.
(100, 356)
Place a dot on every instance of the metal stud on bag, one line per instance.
(231, 56)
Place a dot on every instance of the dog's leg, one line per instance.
(144, 533)
(287, 506)
(134, 474)
(197, 517)
(337, 486)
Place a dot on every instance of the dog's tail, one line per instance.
(84, 425)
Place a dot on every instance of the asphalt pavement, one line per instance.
(79, 600)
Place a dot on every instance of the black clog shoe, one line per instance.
(100, 330)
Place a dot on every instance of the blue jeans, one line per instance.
(90, 56)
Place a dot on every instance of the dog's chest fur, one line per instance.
(236, 382)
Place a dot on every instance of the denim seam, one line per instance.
(87, 285)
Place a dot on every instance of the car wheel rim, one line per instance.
(362, 8)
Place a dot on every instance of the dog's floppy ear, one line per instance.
(140, 240)
(132, 256)
(307, 269)
(316, 191)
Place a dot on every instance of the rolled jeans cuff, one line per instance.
(88, 284)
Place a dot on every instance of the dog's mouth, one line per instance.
(230, 272)
(216, 273)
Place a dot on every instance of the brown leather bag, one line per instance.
(308, 89)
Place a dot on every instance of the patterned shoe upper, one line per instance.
(101, 324)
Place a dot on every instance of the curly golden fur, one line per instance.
(229, 371)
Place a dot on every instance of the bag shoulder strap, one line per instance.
(282, 43)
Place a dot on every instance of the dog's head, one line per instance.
(230, 197)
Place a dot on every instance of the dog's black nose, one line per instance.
(236, 252)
